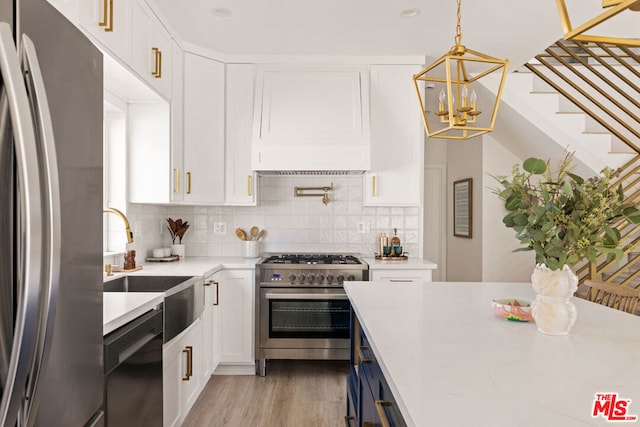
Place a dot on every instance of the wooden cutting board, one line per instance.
(122, 270)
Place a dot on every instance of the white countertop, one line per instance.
(450, 361)
(121, 308)
(410, 264)
(191, 266)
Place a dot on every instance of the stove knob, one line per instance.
(292, 277)
(329, 278)
(340, 278)
(301, 278)
(311, 278)
(351, 277)
(320, 278)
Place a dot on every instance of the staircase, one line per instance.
(585, 97)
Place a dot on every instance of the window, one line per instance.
(115, 171)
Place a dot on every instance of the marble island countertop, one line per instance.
(449, 361)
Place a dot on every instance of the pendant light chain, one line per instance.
(458, 38)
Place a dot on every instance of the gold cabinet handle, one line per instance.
(374, 186)
(188, 182)
(217, 292)
(156, 70)
(105, 14)
(176, 187)
(155, 56)
(248, 185)
(361, 354)
(110, 27)
(401, 280)
(188, 350)
(380, 404)
(347, 420)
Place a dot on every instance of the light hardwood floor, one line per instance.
(293, 394)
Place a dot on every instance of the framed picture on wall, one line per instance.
(462, 208)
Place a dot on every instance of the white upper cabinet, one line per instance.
(240, 180)
(68, 8)
(311, 118)
(397, 141)
(177, 125)
(149, 152)
(109, 21)
(203, 130)
(151, 48)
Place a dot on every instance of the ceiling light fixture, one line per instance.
(457, 73)
(613, 8)
(410, 13)
(222, 12)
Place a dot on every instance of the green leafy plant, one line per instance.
(561, 216)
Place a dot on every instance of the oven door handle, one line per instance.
(336, 296)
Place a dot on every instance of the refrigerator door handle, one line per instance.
(29, 238)
(51, 217)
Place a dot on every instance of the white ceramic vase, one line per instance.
(553, 310)
(177, 250)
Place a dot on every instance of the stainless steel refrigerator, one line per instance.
(51, 371)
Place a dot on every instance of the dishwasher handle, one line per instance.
(125, 341)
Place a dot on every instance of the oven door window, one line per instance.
(308, 319)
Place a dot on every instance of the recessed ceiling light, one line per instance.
(410, 13)
(222, 12)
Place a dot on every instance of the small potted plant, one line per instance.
(177, 229)
(565, 219)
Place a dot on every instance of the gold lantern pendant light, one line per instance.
(455, 76)
(611, 9)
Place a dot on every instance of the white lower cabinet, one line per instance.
(400, 276)
(237, 313)
(210, 327)
(182, 366)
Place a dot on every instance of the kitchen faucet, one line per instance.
(126, 222)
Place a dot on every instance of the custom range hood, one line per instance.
(311, 120)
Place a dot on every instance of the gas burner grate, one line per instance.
(312, 259)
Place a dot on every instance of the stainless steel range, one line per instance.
(302, 311)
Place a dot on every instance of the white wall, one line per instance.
(499, 263)
(464, 256)
(435, 206)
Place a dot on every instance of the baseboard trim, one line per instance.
(235, 370)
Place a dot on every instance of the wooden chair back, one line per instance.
(612, 295)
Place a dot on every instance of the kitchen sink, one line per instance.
(144, 283)
(183, 298)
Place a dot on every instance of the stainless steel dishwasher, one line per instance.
(133, 372)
